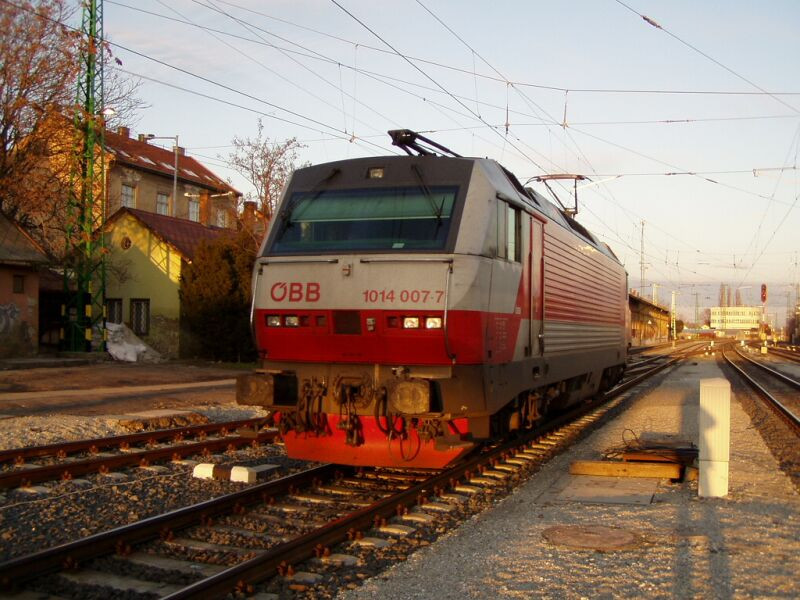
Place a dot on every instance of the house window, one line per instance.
(162, 203)
(194, 210)
(222, 217)
(19, 284)
(140, 316)
(128, 196)
(114, 310)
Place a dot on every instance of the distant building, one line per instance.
(147, 253)
(142, 176)
(21, 260)
(649, 322)
(153, 232)
(735, 318)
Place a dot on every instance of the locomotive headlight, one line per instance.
(291, 320)
(273, 321)
(411, 323)
(433, 322)
(411, 397)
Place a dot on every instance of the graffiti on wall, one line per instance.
(9, 315)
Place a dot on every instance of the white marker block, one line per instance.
(715, 436)
(713, 479)
(203, 471)
(251, 474)
(715, 419)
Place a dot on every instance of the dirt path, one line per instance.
(18, 387)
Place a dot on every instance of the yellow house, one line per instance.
(147, 252)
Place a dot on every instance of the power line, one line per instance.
(679, 169)
(431, 79)
(653, 23)
(196, 76)
(214, 83)
(555, 88)
(246, 55)
(383, 78)
(475, 53)
(250, 29)
(235, 105)
(380, 78)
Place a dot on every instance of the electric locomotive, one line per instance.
(408, 308)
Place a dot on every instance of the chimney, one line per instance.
(124, 131)
(249, 214)
(142, 138)
(205, 207)
(180, 150)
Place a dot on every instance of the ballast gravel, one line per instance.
(65, 511)
(746, 545)
(23, 431)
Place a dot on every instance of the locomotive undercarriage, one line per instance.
(446, 408)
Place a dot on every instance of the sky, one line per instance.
(688, 121)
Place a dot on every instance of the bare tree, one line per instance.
(39, 64)
(38, 76)
(266, 164)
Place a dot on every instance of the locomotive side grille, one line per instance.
(347, 322)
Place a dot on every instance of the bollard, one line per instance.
(715, 437)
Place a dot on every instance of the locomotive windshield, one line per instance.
(376, 219)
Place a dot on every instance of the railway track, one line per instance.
(73, 459)
(779, 391)
(639, 364)
(792, 355)
(326, 518)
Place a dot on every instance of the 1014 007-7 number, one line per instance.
(414, 296)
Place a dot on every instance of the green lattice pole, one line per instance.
(85, 276)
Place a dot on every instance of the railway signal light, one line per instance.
(763, 292)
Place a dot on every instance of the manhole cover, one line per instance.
(591, 537)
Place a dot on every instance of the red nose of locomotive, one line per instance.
(368, 335)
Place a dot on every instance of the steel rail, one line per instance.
(24, 568)
(779, 408)
(15, 454)
(788, 354)
(266, 564)
(784, 378)
(143, 457)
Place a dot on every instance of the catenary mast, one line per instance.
(85, 274)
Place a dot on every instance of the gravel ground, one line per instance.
(746, 545)
(110, 374)
(18, 432)
(783, 365)
(75, 509)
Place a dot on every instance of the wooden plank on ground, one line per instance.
(684, 457)
(604, 468)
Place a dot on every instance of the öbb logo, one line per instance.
(294, 291)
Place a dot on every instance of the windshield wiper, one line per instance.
(436, 211)
(317, 190)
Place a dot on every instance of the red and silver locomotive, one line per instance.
(408, 308)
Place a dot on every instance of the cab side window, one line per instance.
(513, 241)
(502, 229)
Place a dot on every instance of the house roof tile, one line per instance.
(184, 235)
(16, 247)
(142, 155)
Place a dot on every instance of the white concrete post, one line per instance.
(715, 436)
